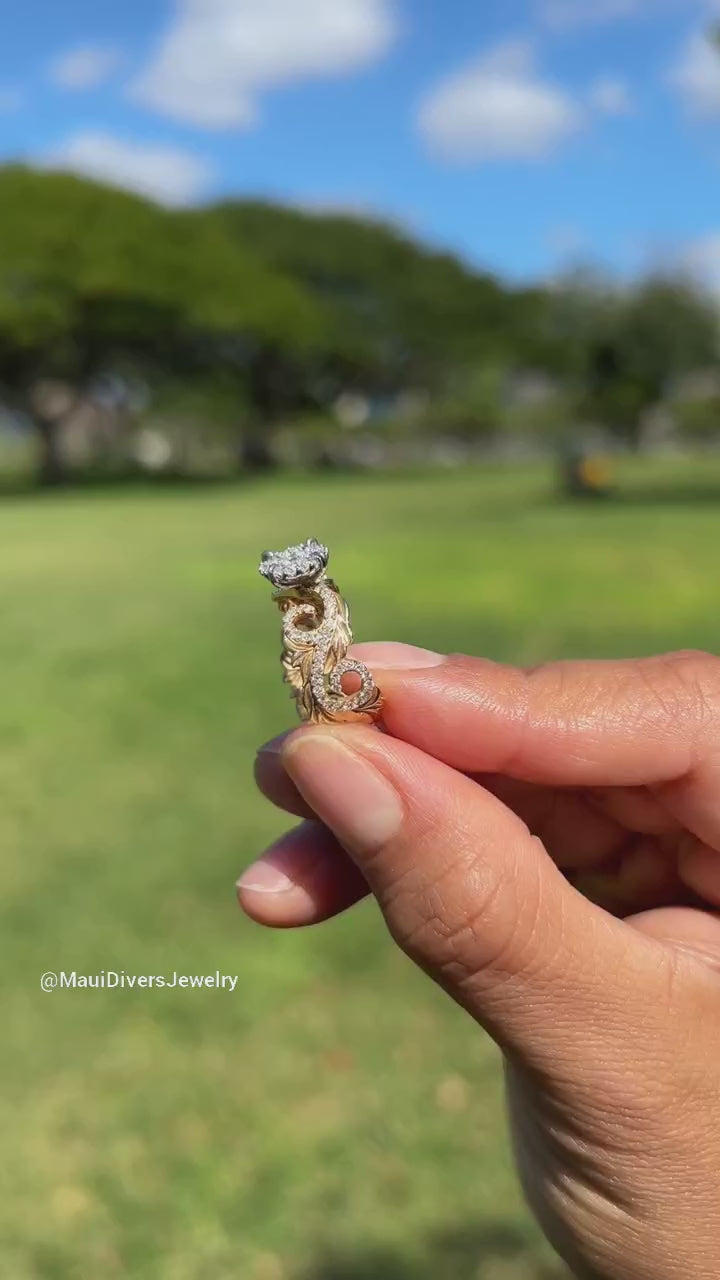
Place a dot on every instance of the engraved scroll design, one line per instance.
(316, 639)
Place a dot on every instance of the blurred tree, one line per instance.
(472, 408)
(399, 315)
(620, 349)
(94, 279)
(698, 419)
(273, 314)
(543, 422)
(664, 328)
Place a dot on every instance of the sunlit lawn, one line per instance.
(336, 1118)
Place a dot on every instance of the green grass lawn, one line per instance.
(336, 1118)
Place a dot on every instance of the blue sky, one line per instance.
(525, 134)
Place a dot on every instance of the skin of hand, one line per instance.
(546, 845)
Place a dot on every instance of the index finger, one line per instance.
(640, 722)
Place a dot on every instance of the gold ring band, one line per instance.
(316, 636)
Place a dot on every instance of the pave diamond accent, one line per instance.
(297, 566)
(351, 701)
(316, 636)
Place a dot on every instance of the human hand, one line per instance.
(494, 798)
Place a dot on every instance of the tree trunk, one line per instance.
(255, 451)
(267, 392)
(49, 402)
(51, 469)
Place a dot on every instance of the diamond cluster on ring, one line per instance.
(296, 566)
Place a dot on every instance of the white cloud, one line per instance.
(610, 97)
(697, 75)
(499, 108)
(219, 56)
(166, 174)
(84, 68)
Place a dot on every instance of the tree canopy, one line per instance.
(291, 308)
(399, 310)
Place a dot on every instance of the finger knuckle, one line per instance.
(697, 676)
(477, 936)
(682, 688)
(438, 928)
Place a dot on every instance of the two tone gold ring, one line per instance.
(316, 636)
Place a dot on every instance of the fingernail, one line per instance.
(398, 657)
(274, 746)
(264, 877)
(348, 793)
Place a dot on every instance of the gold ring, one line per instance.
(316, 637)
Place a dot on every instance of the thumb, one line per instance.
(476, 901)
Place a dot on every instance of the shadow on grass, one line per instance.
(132, 482)
(461, 1253)
(664, 495)
(90, 483)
